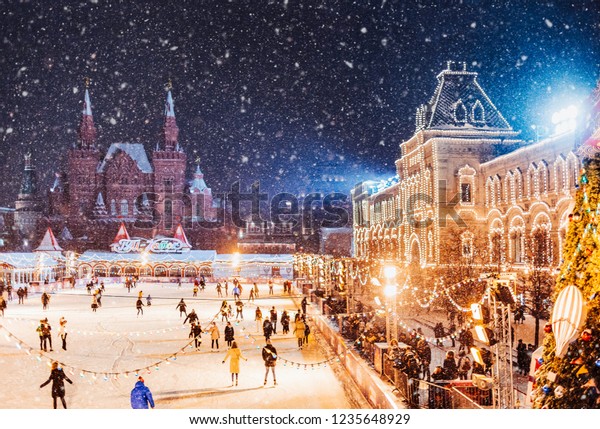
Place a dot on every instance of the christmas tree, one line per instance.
(569, 373)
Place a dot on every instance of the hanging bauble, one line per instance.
(586, 335)
(597, 363)
(559, 391)
(584, 179)
(546, 389)
(540, 360)
(548, 328)
(576, 216)
(577, 361)
(568, 316)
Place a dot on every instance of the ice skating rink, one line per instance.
(115, 340)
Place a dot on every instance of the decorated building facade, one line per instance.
(466, 172)
(98, 189)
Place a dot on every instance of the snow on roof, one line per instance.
(459, 90)
(49, 243)
(135, 151)
(191, 257)
(259, 257)
(169, 105)
(87, 104)
(27, 260)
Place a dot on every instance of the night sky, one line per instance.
(274, 90)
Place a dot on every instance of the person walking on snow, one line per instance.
(239, 310)
(62, 332)
(2, 305)
(141, 396)
(274, 319)
(94, 303)
(192, 317)
(181, 307)
(267, 329)
(299, 331)
(258, 318)
(270, 287)
(196, 334)
(269, 355)
(139, 304)
(229, 333)
(214, 336)
(45, 301)
(219, 287)
(57, 377)
(148, 301)
(234, 364)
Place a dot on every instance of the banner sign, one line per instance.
(157, 245)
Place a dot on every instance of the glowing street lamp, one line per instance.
(390, 290)
(565, 120)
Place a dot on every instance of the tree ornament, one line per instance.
(568, 315)
(577, 216)
(548, 328)
(586, 335)
(559, 391)
(584, 179)
(597, 363)
(546, 389)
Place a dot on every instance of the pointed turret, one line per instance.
(100, 207)
(198, 185)
(87, 130)
(28, 211)
(170, 129)
(28, 184)
(58, 185)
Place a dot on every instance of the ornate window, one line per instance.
(466, 240)
(466, 179)
(168, 214)
(460, 112)
(124, 208)
(477, 113)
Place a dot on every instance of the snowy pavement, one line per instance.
(111, 344)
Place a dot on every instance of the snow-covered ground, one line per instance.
(116, 340)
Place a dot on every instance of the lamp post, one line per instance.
(390, 290)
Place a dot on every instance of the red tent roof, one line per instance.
(122, 234)
(49, 243)
(180, 235)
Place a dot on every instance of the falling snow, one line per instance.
(277, 86)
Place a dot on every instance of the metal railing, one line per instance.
(442, 394)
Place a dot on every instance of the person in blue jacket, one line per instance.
(141, 396)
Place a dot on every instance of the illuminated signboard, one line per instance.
(157, 245)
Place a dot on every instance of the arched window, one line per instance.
(124, 207)
(460, 112)
(477, 113)
(168, 214)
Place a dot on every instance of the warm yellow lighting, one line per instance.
(389, 290)
(235, 261)
(477, 356)
(377, 301)
(389, 272)
(482, 334)
(477, 312)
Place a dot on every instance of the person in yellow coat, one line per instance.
(299, 331)
(234, 364)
